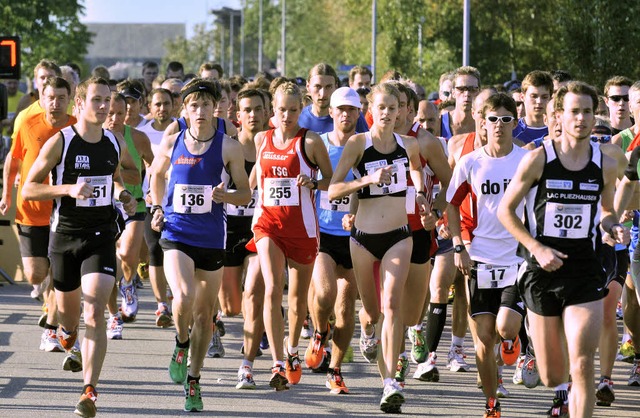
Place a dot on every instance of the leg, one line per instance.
(609, 337)
(230, 296)
(299, 279)
(325, 290)
(129, 249)
(207, 285)
(484, 327)
(344, 309)
(547, 336)
(253, 300)
(180, 269)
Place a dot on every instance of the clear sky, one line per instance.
(190, 12)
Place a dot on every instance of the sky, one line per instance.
(190, 12)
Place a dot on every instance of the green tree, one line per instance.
(48, 29)
(190, 52)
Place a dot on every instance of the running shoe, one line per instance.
(42, 320)
(492, 408)
(392, 398)
(627, 352)
(216, 349)
(37, 292)
(245, 378)
(604, 393)
(86, 406)
(402, 369)
(67, 339)
(455, 359)
(326, 361)
(73, 361)
(278, 378)
(143, 270)
(129, 303)
(558, 409)
(335, 382)
(220, 324)
(634, 378)
(427, 371)
(192, 397)
(369, 346)
(49, 341)
(114, 328)
(510, 351)
(517, 374)
(306, 332)
(530, 374)
(137, 282)
(501, 391)
(293, 365)
(418, 345)
(163, 316)
(178, 365)
(314, 354)
(264, 342)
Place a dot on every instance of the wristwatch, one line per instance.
(437, 212)
(459, 248)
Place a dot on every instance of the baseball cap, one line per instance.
(131, 92)
(345, 96)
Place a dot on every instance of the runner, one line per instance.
(196, 193)
(537, 89)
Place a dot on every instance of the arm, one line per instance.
(609, 216)
(157, 181)
(233, 158)
(143, 146)
(417, 173)
(437, 161)
(128, 170)
(9, 173)
(34, 189)
(350, 157)
(126, 164)
(317, 152)
(527, 174)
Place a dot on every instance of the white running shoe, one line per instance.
(455, 360)
(49, 341)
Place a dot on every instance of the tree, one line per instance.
(193, 52)
(48, 29)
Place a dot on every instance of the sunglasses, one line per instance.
(617, 98)
(445, 93)
(503, 119)
(604, 139)
(470, 89)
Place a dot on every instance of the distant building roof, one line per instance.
(132, 41)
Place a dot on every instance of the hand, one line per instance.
(444, 232)
(5, 205)
(382, 175)
(81, 191)
(347, 221)
(620, 234)
(219, 193)
(147, 199)
(428, 220)
(157, 221)
(549, 258)
(306, 181)
(130, 206)
(463, 262)
(627, 216)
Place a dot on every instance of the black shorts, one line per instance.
(73, 256)
(236, 251)
(152, 238)
(379, 244)
(444, 246)
(34, 240)
(489, 301)
(208, 259)
(548, 293)
(337, 247)
(421, 246)
(615, 263)
(136, 217)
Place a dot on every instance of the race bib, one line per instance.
(243, 210)
(411, 200)
(496, 277)
(566, 221)
(398, 181)
(281, 192)
(192, 198)
(102, 186)
(337, 205)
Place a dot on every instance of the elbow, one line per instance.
(27, 193)
(333, 192)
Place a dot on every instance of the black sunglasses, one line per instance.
(470, 89)
(616, 98)
(604, 139)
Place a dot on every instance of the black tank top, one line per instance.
(92, 163)
(373, 160)
(564, 209)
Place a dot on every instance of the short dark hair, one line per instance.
(537, 78)
(57, 83)
(208, 66)
(248, 93)
(210, 89)
(617, 80)
(561, 76)
(575, 87)
(175, 66)
(81, 91)
(498, 100)
(358, 69)
(49, 65)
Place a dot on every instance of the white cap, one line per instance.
(345, 96)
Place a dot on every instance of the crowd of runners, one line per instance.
(518, 202)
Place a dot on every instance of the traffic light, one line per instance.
(10, 57)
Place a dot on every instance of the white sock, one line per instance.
(292, 350)
(459, 341)
(246, 363)
(388, 381)
(625, 337)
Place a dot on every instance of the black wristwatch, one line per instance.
(315, 184)
(459, 248)
(437, 212)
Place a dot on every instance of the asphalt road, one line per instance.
(135, 381)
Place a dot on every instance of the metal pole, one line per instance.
(465, 32)
(374, 7)
(284, 39)
(242, 40)
(420, 42)
(221, 44)
(231, 28)
(260, 37)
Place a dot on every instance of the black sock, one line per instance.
(524, 338)
(49, 326)
(636, 357)
(436, 319)
(191, 379)
(182, 345)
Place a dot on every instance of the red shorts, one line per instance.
(301, 250)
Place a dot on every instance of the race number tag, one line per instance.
(192, 198)
(398, 181)
(496, 277)
(411, 200)
(102, 186)
(281, 192)
(243, 210)
(337, 205)
(566, 221)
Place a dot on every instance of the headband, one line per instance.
(204, 87)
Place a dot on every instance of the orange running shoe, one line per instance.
(67, 339)
(86, 406)
(510, 351)
(293, 366)
(278, 378)
(492, 408)
(335, 382)
(315, 351)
